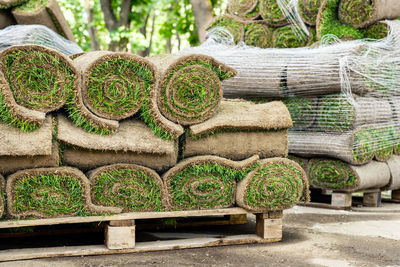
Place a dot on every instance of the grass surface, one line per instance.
(352, 12)
(235, 27)
(258, 35)
(335, 113)
(271, 13)
(308, 9)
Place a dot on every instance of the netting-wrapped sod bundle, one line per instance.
(276, 184)
(272, 13)
(205, 182)
(43, 12)
(245, 9)
(190, 89)
(40, 80)
(361, 13)
(48, 192)
(234, 25)
(36, 35)
(241, 129)
(337, 175)
(2, 195)
(258, 33)
(20, 150)
(128, 187)
(394, 167)
(133, 143)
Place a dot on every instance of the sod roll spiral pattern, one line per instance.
(191, 89)
(376, 31)
(285, 37)
(127, 186)
(308, 10)
(47, 192)
(355, 12)
(331, 174)
(276, 185)
(40, 78)
(335, 113)
(116, 84)
(272, 14)
(243, 8)
(230, 23)
(258, 34)
(205, 182)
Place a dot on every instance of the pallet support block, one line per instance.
(269, 225)
(341, 199)
(396, 195)
(372, 199)
(120, 235)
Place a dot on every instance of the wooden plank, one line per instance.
(120, 237)
(34, 253)
(123, 217)
(341, 199)
(323, 206)
(268, 228)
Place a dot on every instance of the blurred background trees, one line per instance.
(143, 27)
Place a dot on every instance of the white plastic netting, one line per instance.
(38, 35)
(344, 97)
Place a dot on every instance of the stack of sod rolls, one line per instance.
(109, 132)
(290, 24)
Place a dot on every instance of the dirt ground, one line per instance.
(311, 237)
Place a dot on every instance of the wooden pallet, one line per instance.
(120, 233)
(395, 197)
(340, 200)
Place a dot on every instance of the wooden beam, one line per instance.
(268, 228)
(120, 237)
(341, 199)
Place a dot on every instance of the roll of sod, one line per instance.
(43, 12)
(258, 34)
(13, 114)
(13, 142)
(232, 24)
(362, 13)
(308, 10)
(75, 56)
(48, 192)
(355, 147)
(190, 89)
(286, 37)
(114, 85)
(5, 4)
(332, 174)
(2, 195)
(302, 111)
(6, 19)
(245, 9)
(377, 31)
(133, 143)
(385, 137)
(129, 187)
(328, 23)
(241, 129)
(394, 167)
(272, 14)
(277, 184)
(205, 182)
(11, 164)
(303, 162)
(337, 114)
(40, 78)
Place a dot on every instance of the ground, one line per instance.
(311, 237)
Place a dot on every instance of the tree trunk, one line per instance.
(94, 42)
(202, 11)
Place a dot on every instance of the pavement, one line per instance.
(311, 237)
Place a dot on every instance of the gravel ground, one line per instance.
(311, 237)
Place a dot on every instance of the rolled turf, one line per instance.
(272, 14)
(302, 110)
(241, 129)
(258, 34)
(43, 12)
(303, 162)
(231, 23)
(245, 9)
(308, 10)
(290, 37)
(332, 174)
(356, 147)
(129, 187)
(2, 195)
(47, 193)
(133, 143)
(205, 182)
(40, 78)
(277, 184)
(190, 89)
(337, 114)
(362, 13)
(394, 166)
(385, 137)
(5, 4)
